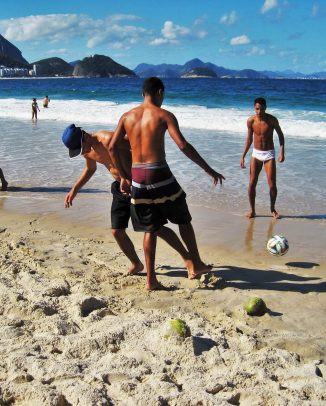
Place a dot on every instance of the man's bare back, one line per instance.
(95, 148)
(146, 126)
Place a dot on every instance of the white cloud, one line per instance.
(65, 27)
(241, 40)
(60, 51)
(158, 41)
(256, 51)
(315, 9)
(172, 33)
(229, 19)
(268, 5)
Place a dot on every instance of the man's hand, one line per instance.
(281, 157)
(125, 186)
(242, 163)
(217, 177)
(69, 198)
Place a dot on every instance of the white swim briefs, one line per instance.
(263, 156)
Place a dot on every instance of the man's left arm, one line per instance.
(280, 134)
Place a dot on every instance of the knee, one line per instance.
(118, 232)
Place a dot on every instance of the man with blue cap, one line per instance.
(94, 148)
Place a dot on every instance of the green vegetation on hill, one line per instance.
(53, 67)
(100, 66)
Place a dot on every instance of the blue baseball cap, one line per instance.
(72, 138)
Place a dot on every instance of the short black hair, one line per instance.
(261, 100)
(152, 85)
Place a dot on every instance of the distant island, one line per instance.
(13, 64)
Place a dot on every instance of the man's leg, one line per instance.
(270, 169)
(3, 181)
(128, 248)
(171, 238)
(255, 168)
(198, 266)
(149, 251)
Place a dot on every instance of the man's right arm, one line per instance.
(118, 136)
(189, 150)
(87, 173)
(248, 142)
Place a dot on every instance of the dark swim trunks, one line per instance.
(120, 208)
(156, 198)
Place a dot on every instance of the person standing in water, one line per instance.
(34, 109)
(260, 131)
(46, 102)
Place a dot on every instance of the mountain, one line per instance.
(199, 73)
(10, 55)
(175, 71)
(53, 67)
(100, 66)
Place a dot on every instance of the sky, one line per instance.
(273, 35)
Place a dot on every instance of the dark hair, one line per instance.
(152, 85)
(260, 100)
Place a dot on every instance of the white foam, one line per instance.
(298, 123)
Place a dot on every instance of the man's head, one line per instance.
(260, 106)
(72, 137)
(153, 87)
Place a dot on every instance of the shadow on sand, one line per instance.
(246, 278)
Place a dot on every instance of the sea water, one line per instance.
(212, 115)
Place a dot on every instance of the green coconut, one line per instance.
(255, 307)
(177, 328)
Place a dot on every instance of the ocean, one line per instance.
(212, 114)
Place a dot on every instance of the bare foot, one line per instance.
(198, 271)
(156, 285)
(251, 215)
(4, 185)
(275, 215)
(134, 269)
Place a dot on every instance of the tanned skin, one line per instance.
(260, 131)
(95, 150)
(145, 127)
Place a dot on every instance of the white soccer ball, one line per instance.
(277, 245)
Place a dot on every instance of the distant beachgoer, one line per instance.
(260, 131)
(3, 181)
(156, 196)
(46, 101)
(34, 109)
(94, 148)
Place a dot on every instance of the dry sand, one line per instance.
(75, 330)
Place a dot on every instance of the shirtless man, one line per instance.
(156, 196)
(46, 102)
(260, 130)
(94, 148)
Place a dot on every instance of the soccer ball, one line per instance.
(277, 245)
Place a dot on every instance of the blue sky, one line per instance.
(236, 34)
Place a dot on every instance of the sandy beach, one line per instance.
(76, 330)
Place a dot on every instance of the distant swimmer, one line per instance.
(46, 101)
(34, 109)
(3, 181)
(260, 131)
